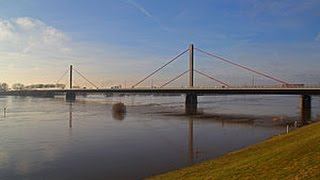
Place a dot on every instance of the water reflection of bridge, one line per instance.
(192, 151)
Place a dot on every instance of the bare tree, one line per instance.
(4, 87)
(18, 86)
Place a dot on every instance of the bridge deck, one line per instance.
(196, 90)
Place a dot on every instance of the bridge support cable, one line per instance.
(177, 77)
(76, 83)
(241, 66)
(163, 66)
(212, 78)
(85, 78)
(64, 74)
(65, 85)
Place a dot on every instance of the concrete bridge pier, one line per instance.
(305, 109)
(70, 96)
(191, 104)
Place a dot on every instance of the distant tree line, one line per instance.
(40, 86)
(18, 86)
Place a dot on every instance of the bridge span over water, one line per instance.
(182, 90)
(191, 92)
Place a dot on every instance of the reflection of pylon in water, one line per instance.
(191, 152)
(70, 115)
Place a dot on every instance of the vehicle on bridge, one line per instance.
(116, 87)
(293, 85)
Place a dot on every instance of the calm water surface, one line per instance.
(53, 139)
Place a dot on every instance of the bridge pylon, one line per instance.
(70, 76)
(191, 98)
(191, 65)
(70, 95)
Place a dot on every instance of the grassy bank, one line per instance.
(290, 156)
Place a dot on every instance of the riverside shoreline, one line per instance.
(295, 155)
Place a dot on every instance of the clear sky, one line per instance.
(118, 41)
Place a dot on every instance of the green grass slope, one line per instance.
(290, 156)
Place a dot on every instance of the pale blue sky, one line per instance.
(113, 41)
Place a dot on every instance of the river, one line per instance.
(43, 138)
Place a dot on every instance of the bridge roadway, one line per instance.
(194, 90)
(191, 94)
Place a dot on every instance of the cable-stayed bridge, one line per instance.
(191, 91)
